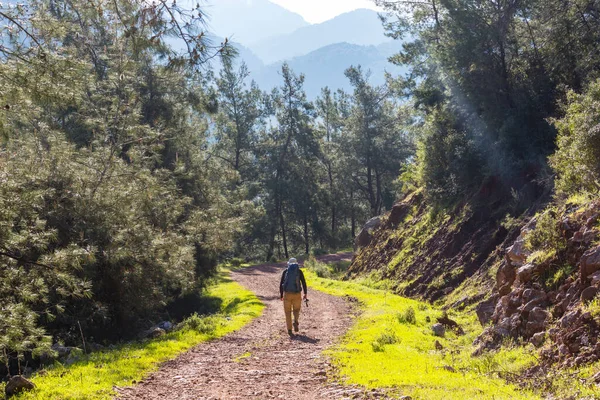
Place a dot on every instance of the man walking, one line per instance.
(290, 288)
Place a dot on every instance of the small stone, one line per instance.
(438, 345)
(449, 368)
(439, 330)
(156, 333)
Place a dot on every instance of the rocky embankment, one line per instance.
(545, 296)
(555, 315)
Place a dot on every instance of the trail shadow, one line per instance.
(263, 268)
(305, 339)
(268, 298)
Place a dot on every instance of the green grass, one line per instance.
(381, 350)
(95, 376)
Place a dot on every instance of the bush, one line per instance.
(201, 324)
(408, 316)
(546, 235)
(319, 252)
(386, 338)
(236, 262)
(576, 159)
(319, 268)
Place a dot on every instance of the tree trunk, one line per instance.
(352, 214)
(283, 235)
(306, 238)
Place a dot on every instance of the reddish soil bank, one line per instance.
(277, 366)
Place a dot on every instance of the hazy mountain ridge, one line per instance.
(322, 52)
(360, 27)
(326, 66)
(238, 20)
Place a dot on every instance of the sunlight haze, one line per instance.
(316, 11)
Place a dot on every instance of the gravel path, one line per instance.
(261, 361)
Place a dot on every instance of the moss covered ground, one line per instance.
(95, 375)
(387, 348)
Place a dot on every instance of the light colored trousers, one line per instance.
(291, 302)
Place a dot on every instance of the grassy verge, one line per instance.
(95, 375)
(392, 345)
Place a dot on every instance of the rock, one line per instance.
(155, 333)
(17, 384)
(536, 322)
(517, 254)
(439, 330)
(589, 263)
(565, 225)
(405, 398)
(450, 324)
(538, 339)
(438, 345)
(525, 273)
(569, 319)
(591, 221)
(505, 277)
(165, 325)
(449, 368)
(563, 350)
(533, 294)
(398, 213)
(62, 351)
(595, 278)
(365, 236)
(596, 378)
(588, 294)
(504, 290)
(577, 237)
(485, 310)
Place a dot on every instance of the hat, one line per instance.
(292, 261)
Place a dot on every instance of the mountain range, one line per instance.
(266, 35)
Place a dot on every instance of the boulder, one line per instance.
(536, 322)
(525, 273)
(439, 330)
(588, 294)
(397, 215)
(154, 333)
(517, 254)
(538, 339)
(365, 236)
(569, 319)
(17, 384)
(485, 310)
(165, 325)
(505, 277)
(533, 294)
(589, 263)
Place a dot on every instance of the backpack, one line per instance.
(292, 279)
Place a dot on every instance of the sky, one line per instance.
(315, 11)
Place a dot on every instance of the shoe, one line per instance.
(290, 332)
(295, 327)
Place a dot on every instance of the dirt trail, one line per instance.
(260, 361)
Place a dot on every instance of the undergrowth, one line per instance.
(392, 347)
(95, 375)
